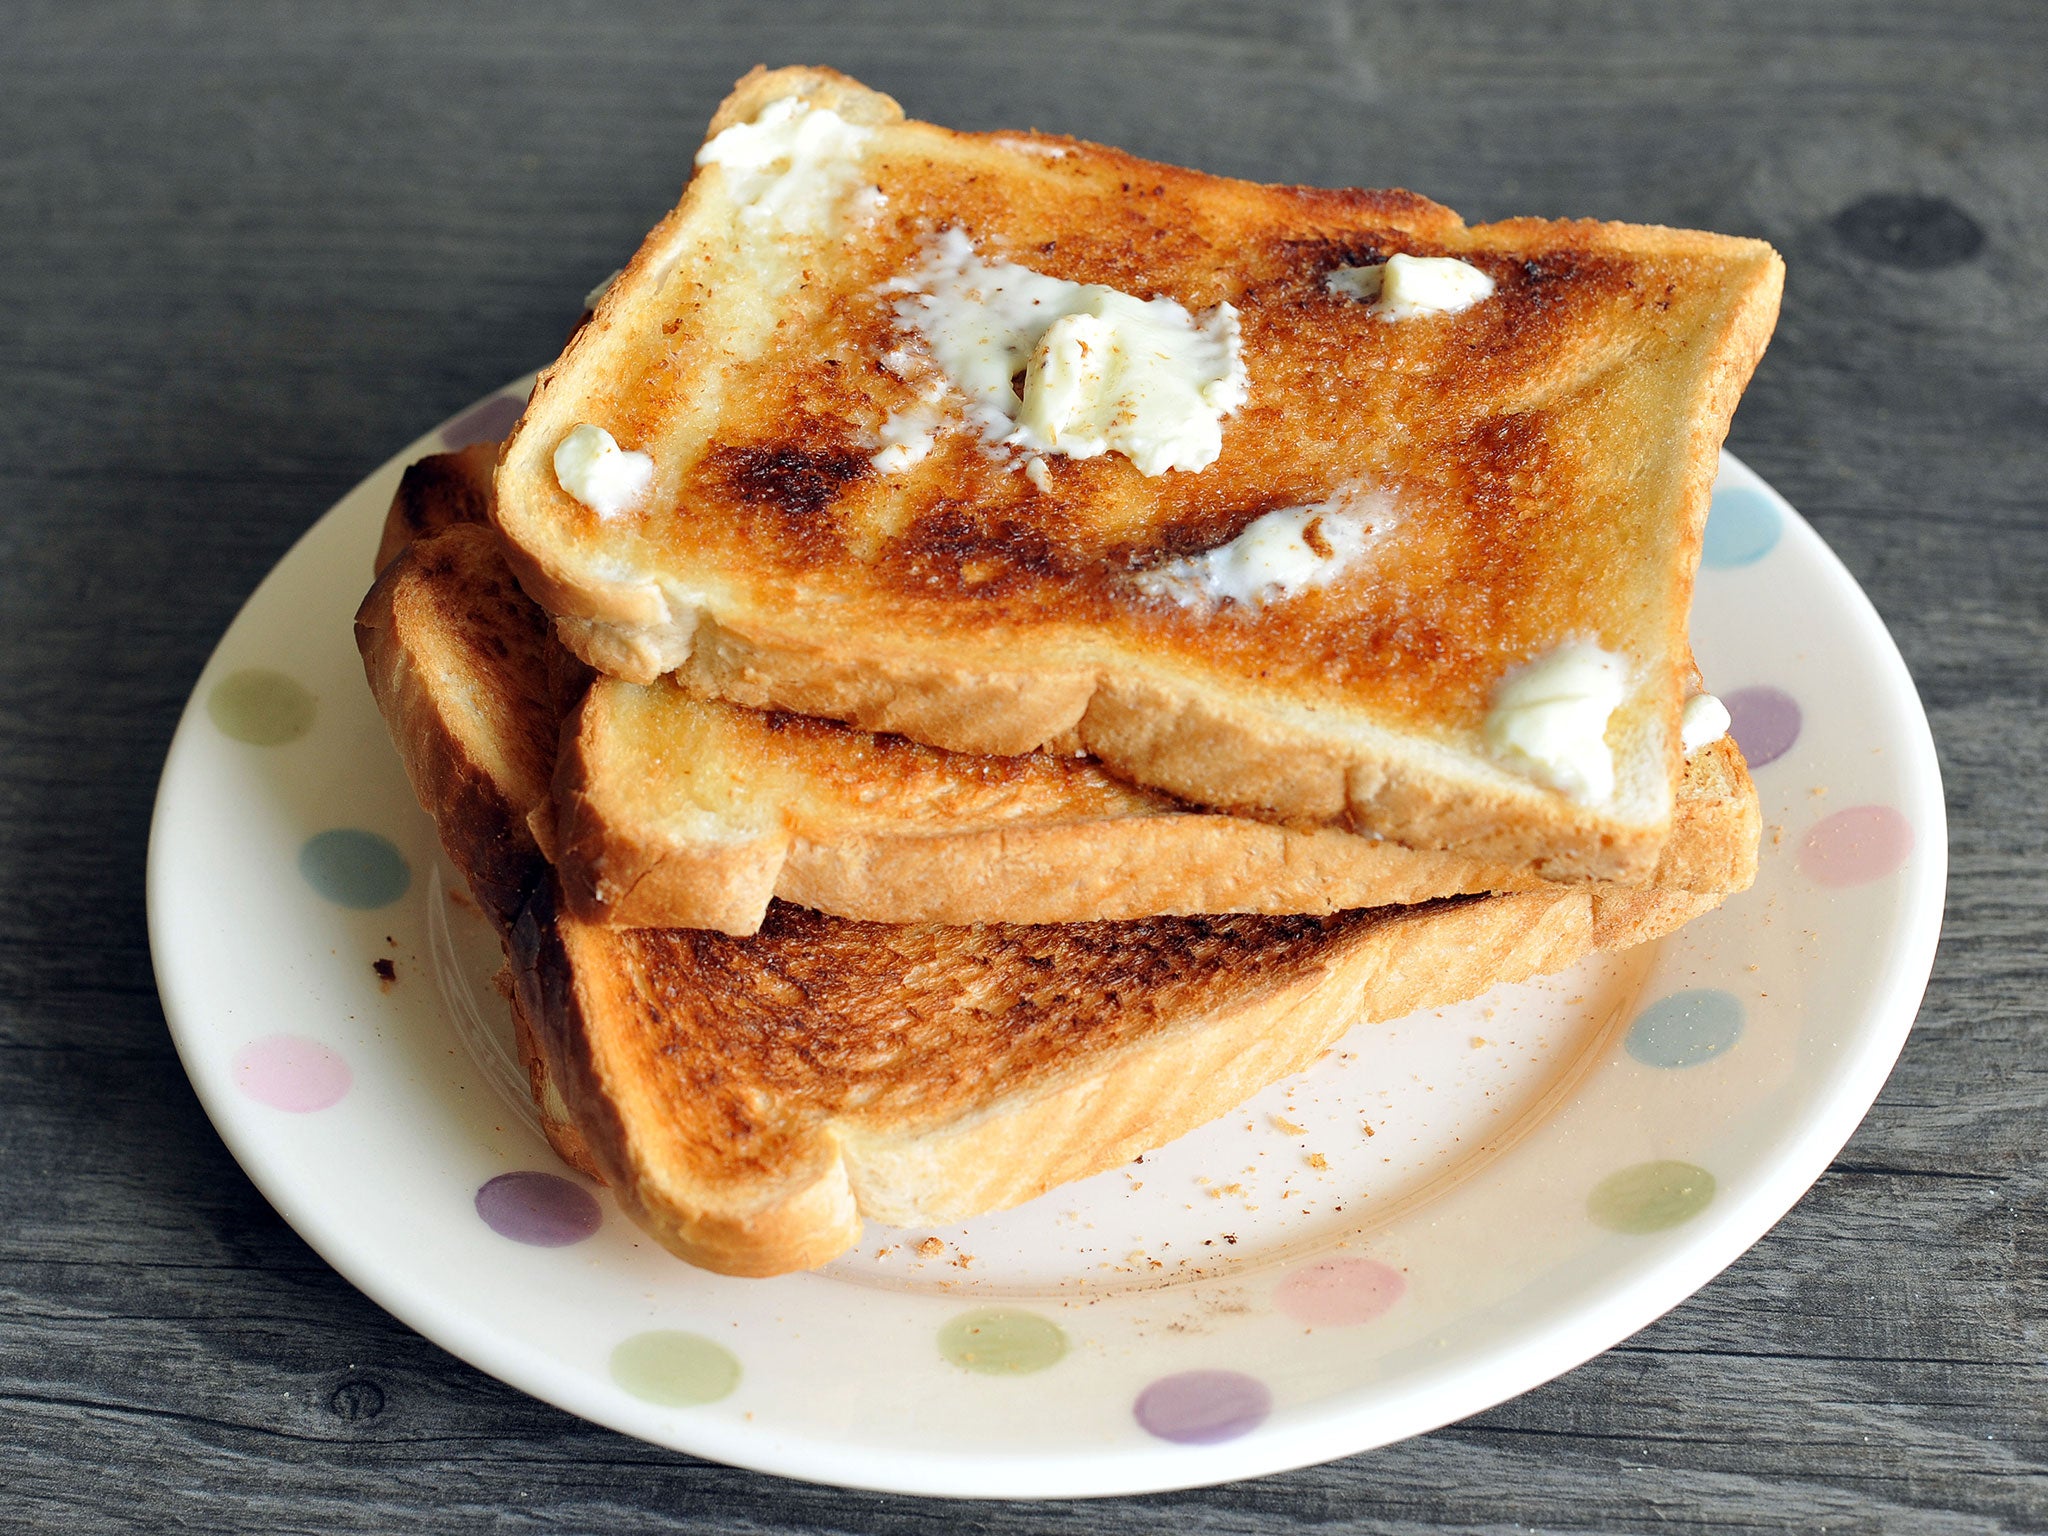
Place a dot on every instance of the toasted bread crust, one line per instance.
(439, 491)
(555, 1123)
(1562, 493)
(444, 617)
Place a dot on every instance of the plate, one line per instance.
(1446, 1211)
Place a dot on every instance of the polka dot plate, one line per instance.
(1444, 1212)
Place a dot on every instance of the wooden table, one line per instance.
(248, 250)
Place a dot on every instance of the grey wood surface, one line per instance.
(245, 250)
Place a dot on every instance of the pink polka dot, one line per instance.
(292, 1073)
(1339, 1292)
(1863, 843)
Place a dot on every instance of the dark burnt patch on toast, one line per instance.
(991, 553)
(794, 478)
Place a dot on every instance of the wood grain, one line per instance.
(248, 248)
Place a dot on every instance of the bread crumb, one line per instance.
(1367, 1127)
(1479, 1042)
(1288, 1127)
(1317, 1160)
(930, 1248)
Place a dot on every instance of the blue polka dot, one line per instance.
(353, 868)
(1686, 1028)
(1742, 528)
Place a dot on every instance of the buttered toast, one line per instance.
(751, 1100)
(1398, 537)
(674, 811)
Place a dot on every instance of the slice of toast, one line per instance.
(1521, 477)
(751, 1099)
(673, 811)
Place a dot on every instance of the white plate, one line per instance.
(1444, 1213)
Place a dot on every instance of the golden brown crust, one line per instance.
(1551, 451)
(439, 491)
(456, 658)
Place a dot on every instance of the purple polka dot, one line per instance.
(487, 423)
(1339, 1292)
(1863, 843)
(1764, 722)
(1203, 1407)
(544, 1210)
(292, 1073)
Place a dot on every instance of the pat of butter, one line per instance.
(1403, 287)
(1279, 554)
(791, 166)
(591, 466)
(907, 438)
(1704, 719)
(1103, 371)
(1549, 719)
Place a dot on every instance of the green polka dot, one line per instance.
(998, 1341)
(354, 868)
(1650, 1196)
(676, 1370)
(261, 707)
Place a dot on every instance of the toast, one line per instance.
(673, 811)
(751, 1099)
(801, 508)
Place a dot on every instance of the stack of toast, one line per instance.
(984, 652)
